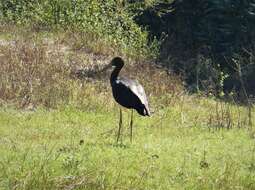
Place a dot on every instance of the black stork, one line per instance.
(128, 93)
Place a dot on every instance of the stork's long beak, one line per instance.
(105, 68)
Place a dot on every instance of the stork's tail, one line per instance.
(147, 111)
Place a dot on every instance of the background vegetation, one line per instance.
(207, 41)
(204, 38)
(110, 21)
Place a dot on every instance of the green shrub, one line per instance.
(107, 20)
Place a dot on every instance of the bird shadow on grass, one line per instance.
(108, 144)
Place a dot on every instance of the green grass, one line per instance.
(59, 132)
(68, 148)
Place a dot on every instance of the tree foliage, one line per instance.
(220, 30)
(109, 20)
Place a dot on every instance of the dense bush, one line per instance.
(108, 20)
(219, 31)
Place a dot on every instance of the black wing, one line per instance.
(136, 88)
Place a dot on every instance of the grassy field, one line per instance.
(58, 131)
(70, 148)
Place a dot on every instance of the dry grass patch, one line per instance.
(30, 73)
(37, 69)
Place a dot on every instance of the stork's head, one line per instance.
(117, 62)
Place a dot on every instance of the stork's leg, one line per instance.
(131, 126)
(120, 125)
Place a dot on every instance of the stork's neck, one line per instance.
(115, 74)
